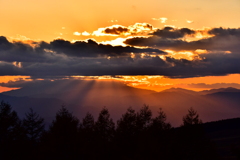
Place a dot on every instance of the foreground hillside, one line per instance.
(135, 136)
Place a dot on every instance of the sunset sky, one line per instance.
(150, 44)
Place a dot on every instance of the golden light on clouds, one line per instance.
(6, 79)
(115, 42)
(162, 19)
(17, 64)
(189, 55)
(189, 21)
(156, 83)
(159, 83)
(77, 33)
(85, 33)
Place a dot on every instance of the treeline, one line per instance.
(135, 136)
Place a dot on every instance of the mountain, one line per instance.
(46, 107)
(180, 90)
(212, 91)
(91, 96)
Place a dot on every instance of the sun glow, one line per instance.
(156, 83)
(189, 55)
(9, 79)
(115, 42)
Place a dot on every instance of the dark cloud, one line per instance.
(10, 69)
(63, 58)
(116, 30)
(22, 52)
(93, 49)
(223, 40)
(136, 29)
(225, 32)
(54, 51)
(172, 33)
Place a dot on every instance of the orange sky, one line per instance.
(156, 83)
(49, 19)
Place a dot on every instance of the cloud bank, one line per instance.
(64, 58)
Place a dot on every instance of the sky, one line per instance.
(150, 44)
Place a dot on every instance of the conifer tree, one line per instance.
(9, 123)
(34, 125)
(87, 122)
(11, 133)
(144, 118)
(126, 125)
(61, 139)
(159, 123)
(191, 118)
(104, 126)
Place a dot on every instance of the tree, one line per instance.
(65, 124)
(11, 132)
(159, 137)
(126, 125)
(105, 126)
(87, 137)
(34, 125)
(159, 123)
(144, 118)
(87, 122)
(191, 118)
(60, 142)
(104, 131)
(10, 124)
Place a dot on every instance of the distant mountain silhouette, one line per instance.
(44, 106)
(91, 96)
(212, 91)
(180, 90)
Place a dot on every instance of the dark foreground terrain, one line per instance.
(135, 136)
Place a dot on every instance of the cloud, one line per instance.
(218, 55)
(225, 32)
(76, 33)
(93, 49)
(85, 33)
(170, 32)
(162, 19)
(189, 21)
(222, 40)
(116, 30)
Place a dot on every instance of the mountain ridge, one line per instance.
(92, 96)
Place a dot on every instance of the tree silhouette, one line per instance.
(87, 137)
(191, 118)
(104, 125)
(64, 124)
(144, 118)
(87, 123)
(159, 123)
(131, 132)
(61, 140)
(11, 132)
(191, 142)
(126, 125)
(105, 131)
(34, 125)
